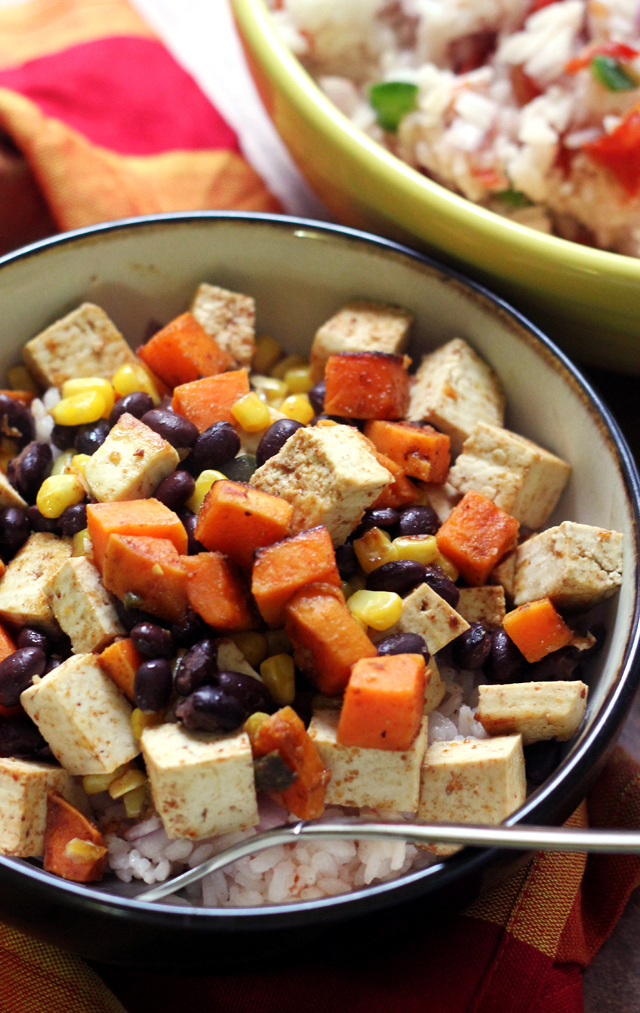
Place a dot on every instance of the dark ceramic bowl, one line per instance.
(299, 273)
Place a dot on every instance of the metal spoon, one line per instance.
(523, 838)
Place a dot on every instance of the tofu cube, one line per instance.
(434, 688)
(453, 390)
(360, 326)
(83, 716)
(426, 613)
(230, 318)
(202, 784)
(229, 658)
(24, 598)
(484, 605)
(471, 781)
(575, 565)
(379, 778)
(131, 462)
(83, 607)
(84, 343)
(520, 477)
(10, 497)
(24, 785)
(504, 574)
(537, 710)
(329, 475)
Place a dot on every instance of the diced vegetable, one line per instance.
(619, 151)
(133, 517)
(421, 451)
(279, 570)
(392, 100)
(7, 643)
(476, 535)
(285, 733)
(237, 519)
(120, 661)
(211, 399)
(366, 385)
(401, 492)
(148, 573)
(612, 74)
(537, 629)
(183, 351)
(65, 832)
(383, 702)
(217, 592)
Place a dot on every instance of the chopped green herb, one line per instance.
(610, 73)
(514, 198)
(392, 100)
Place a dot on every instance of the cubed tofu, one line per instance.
(504, 574)
(24, 599)
(379, 778)
(10, 497)
(484, 605)
(83, 607)
(453, 390)
(329, 475)
(131, 462)
(83, 716)
(520, 477)
(471, 781)
(230, 318)
(575, 565)
(84, 343)
(24, 785)
(426, 613)
(440, 498)
(537, 710)
(231, 659)
(360, 326)
(434, 688)
(202, 784)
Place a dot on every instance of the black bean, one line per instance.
(176, 489)
(253, 694)
(38, 522)
(14, 529)
(152, 641)
(130, 617)
(382, 517)
(540, 760)
(189, 520)
(505, 662)
(29, 468)
(346, 560)
(28, 637)
(190, 629)
(198, 667)
(215, 447)
(560, 664)
(136, 404)
(317, 395)
(16, 421)
(53, 662)
(17, 672)
(404, 643)
(438, 581)
(418, 520)
(471, 649)
(152, 684)
(90, 437)
(63, 437)
(275, 438)
(400, 576)
(210, 709)
(173, 428)
(240, 469)
(19, 736)
(73, 519)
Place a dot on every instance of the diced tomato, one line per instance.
(537, 5)
(491, 179)
(616, 50)
(619, 152)
(524, 87)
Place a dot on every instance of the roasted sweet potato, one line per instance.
(537, 629)
(73, 847)
(281, 569)
(285, 733)
(476, 535)
(421, 451)
(210, 400)
(7, 643)
(133, 517)
(120, 661)
(147, 572)
(217, 592)
(366, 385)
(237, 519)
(383, 703)
(401, 492)
(183, 351)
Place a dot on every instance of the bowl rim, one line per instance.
(573, 771)
(255, 23)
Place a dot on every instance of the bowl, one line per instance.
(587, 300)
(299, 273)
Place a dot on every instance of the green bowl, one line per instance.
(587, 300)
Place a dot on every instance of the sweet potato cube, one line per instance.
(383, 703)
(183, 351)
(147, 517)
(216, 591)
(476, 535)
(285, 733)
(7, 643)
(366, 385)
(537, 629)
(120, 661)
(237, 519)
(421, 451)
(148, 569)
(327, 639)
(73, 847)
(280, 570)
(402, 490)
(210, 400)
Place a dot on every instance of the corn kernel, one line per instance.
(78, 462)
(298, 379)
(81, 543)
(378, 609)
(449, 568)
(253, 723)
(267, 353)
(130, 779)
(62, 463)
(278, 642)
(269, 388)
(57, 493)
(80, 409)
(79, 384)
(279, 676)
(19, 378)
(298, 407)
(134, 801)
(420, 548)
(204, 482)
(281, 369)
(131, 377)
(83, 851)
(251, 413)
(144, 719)
(93, 784)
(374, 548)
(253, 646)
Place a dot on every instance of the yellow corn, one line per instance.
(267, 353)
(80, 384)
(144, 719)
(81, 543)
(298, 379)
(57, 493)
(253, 723)
(204, 482)
(270, 389)
(279, 676)
(298, 407)
(80, 409)
(449, 568)
(130, 779)
(278, 642)
(253, 646)
(134, 801)
(420, 548)
(251, 413)
(93, 784)
(374, 548)
(82, 851)
(19, 378)
(378, 609)
(281, 369)
(62, 463)
(133, 377)
(78, 462)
